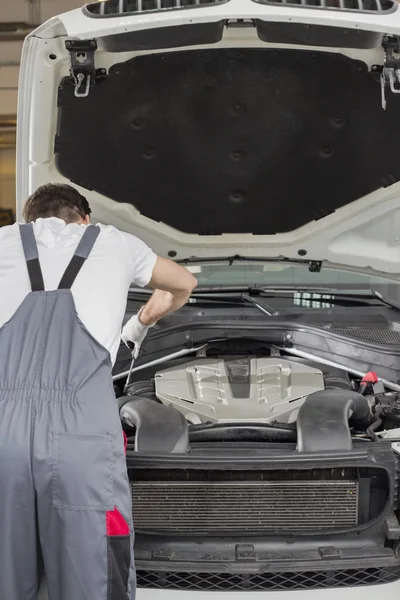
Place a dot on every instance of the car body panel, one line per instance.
(362, 235)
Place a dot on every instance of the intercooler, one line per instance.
(252, 507)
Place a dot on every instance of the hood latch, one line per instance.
(82, 69)
(390, 75)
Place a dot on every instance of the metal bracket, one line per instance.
(390, 74)
(391, 77)
(396, 447)
(315, 266)
(82, 67)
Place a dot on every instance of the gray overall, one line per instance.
(64, 493)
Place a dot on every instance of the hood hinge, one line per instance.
(390, 74)
(82, 68)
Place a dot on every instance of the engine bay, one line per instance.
(270, 398)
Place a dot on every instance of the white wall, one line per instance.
(21, 10)
(10, 51)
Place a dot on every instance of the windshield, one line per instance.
(260, 273)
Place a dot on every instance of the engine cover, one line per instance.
(239, 390)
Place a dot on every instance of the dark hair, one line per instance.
(56, 200)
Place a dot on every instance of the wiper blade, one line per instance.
(235, 299)
(261, 305)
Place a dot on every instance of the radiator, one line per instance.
(205, 508)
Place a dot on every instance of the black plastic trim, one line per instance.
(317, 35)
(353, 353)
(149, 417)
(371, 455)
(163, 38)
(279, 331)
(311, 578)
(323, 420)
(234, 432)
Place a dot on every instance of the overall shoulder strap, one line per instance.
(82, 252)
(32, 257)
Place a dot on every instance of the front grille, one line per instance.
(308, 580)
(205, 508)
(118, 7)
(359, 6)
(376, 336)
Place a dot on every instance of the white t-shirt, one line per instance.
(100, 290)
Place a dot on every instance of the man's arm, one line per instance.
(173, 285)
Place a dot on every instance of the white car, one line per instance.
(256, 142)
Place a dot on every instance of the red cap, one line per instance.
(370, 377)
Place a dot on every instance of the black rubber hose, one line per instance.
(323, 420)
(375, 425)
(143, 389)
(158, 429)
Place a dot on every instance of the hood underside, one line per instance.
(214, 150)
(226, 141)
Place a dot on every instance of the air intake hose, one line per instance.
(159, 429)
(323, 420)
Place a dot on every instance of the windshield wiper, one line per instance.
(329, 294)
(362, 294)
(256, 294)
(225, 298)
(235, 299)
(257, 299)
(262, 306)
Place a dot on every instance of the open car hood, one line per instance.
(239, 128)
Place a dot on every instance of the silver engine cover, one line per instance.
(239, 390)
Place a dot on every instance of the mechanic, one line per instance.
(64, 491)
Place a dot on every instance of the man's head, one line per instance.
(57, 200)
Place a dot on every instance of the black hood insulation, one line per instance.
(231, 141)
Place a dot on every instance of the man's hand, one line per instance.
(173, 285)
(134, 333)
